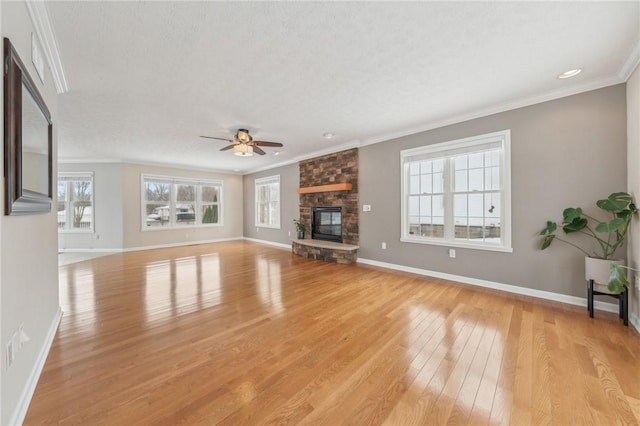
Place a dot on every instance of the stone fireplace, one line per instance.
(337, 168)
(329, 207)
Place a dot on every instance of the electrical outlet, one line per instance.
(10, 354)
(289, 233)
(384, 246)
(452, 253)
(22, 337)
(366, 208)
(638, 282)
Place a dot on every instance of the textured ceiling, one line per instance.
(146, 79)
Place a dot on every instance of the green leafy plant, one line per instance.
(608, 235)
(299, 225)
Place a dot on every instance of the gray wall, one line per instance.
(289, 205)
(108, 209)
(29, 272)
(566, 152)
(633, 181)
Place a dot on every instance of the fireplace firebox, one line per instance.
(327, 224)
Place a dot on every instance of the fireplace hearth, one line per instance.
(326, 224)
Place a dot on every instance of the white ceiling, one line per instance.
(146, 79)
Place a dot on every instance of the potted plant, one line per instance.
(300, 228)
(607, 235)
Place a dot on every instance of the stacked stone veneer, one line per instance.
(326, 254)
(339, 167)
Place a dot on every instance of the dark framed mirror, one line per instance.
(28, 162)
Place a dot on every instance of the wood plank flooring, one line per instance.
(240, 333)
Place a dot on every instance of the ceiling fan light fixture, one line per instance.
(243, 150)
(243, 136)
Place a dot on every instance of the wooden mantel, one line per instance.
(325, 188)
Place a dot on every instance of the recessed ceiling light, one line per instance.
(236, 170)
(328, 135)
(570, 73)
(276, 153)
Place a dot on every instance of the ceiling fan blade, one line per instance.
(258, 150)
(220, 139)
(265, 143)
(228, 147)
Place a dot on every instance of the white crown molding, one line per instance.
(143, 163)
(549, 96)
(632, 62)
(47, 38)
(87, 160)
(314, 154)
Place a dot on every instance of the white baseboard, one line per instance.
(27, 393)
(271, 243)
(90, 250)
(540, 294)
(182, 244)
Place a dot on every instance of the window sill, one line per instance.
(268, 226)
(458, 244)
(179, 228)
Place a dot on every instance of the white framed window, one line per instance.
(267, 200)
(458, 193)
(173, 202)
(75, 202)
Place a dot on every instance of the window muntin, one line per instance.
(458, 193)
(75, 202)
(169, 202)
(267, 202)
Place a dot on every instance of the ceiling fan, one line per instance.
(244, 145)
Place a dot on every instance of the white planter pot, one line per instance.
(599, 270)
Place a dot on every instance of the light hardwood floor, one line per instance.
(242, 333)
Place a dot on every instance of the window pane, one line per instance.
(82, 215)
(62, 190)
(209, 194)
(461, 228)
(437, 205)
(414, 185)
(476, 205)
(461, 162)
(461, 181)
(476, 160)
(426, 167)
(157, 191)
(476, 180)
(185, 192)
(62, 215)
(438, 165)
(414, 168)
(492, 203)
(425, 205)
(492, 231)
(414, 206)
(157, 215)
(210, 214)
(425, 184)
(438, 183)
(274, 192)
(460, 205)
(185, 214)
